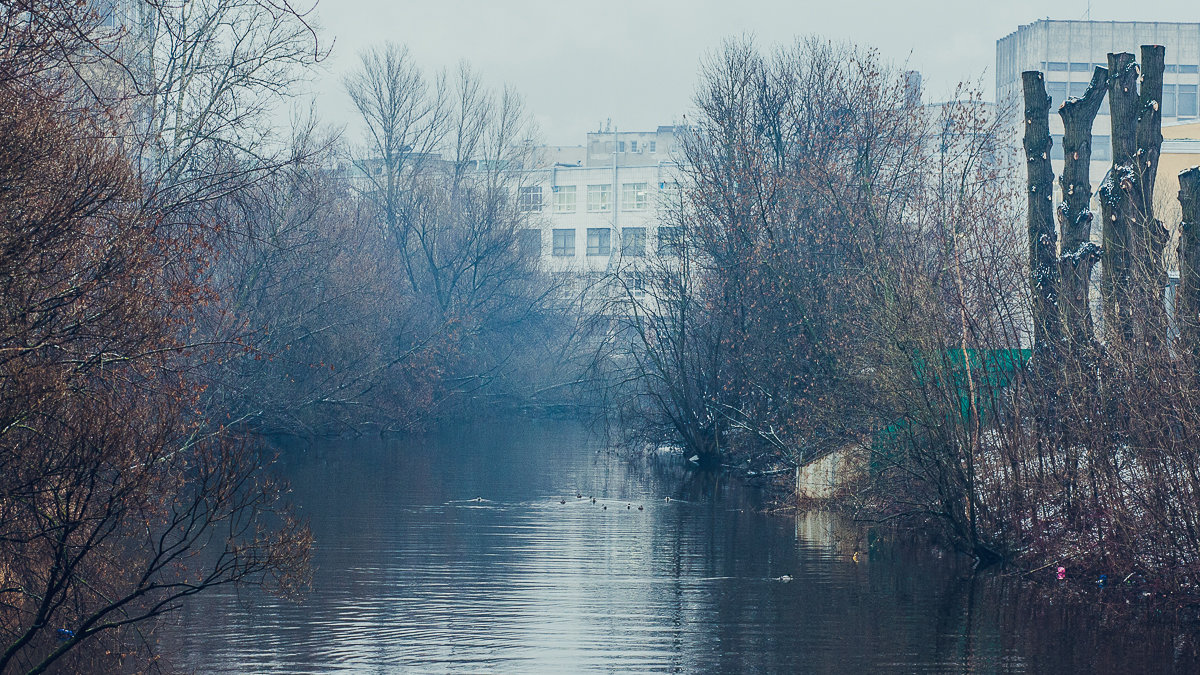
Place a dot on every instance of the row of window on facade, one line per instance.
(1178, 100)
(1101, 148)
(648, 146)
(600, 241)
(634, 197)
(602, 284)
(621, 146)
(1077, 67)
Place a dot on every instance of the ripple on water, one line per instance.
(414, 575)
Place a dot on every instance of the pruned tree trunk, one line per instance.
(1134, 239)
(1187, 295)
(1115, 196)
(1042, 238)
(1079, 254)
(1150, 236)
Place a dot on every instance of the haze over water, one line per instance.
(413, 575)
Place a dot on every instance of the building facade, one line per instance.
(1068, 51)
(602, 207)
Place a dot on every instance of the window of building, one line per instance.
(636, 282)
(1192, 68)
(1081, 67)
(633, 241)
(529, 242)
(669, 239)
(652, 144)
(564, 199)
(1056, 66)
(564, 282)
(633, 196)
(1058, 94)
(633, 146)
(1187, 100)
(599, 241)
(668, 194)
(564, 243)
(1168, 101)
(599, 198)
(529, 199)
(620, 146)
(594, 281)
(1056, 146)
(1102, 148)
(106, 11)
(1171, 68)
(1078, 89)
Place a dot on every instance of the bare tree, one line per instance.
(116, 504)
(445, 161)
(749, 345)
(202, 77)
(406, 121)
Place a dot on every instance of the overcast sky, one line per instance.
(579, 63)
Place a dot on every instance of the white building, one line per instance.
(602, 205)
(1068, 51)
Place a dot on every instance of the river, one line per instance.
(470, 551)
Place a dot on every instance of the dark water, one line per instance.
(414, 577)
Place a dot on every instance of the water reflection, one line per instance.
(470, 552)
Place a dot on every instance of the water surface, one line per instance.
(415, 575)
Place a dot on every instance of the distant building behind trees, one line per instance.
(609, 201)
(1068, 52)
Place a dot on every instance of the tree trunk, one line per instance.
(1133, 238)
(1150, 236)
(1187, 295)
(1115, 198)
(1079, 254)
(1042, 238)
